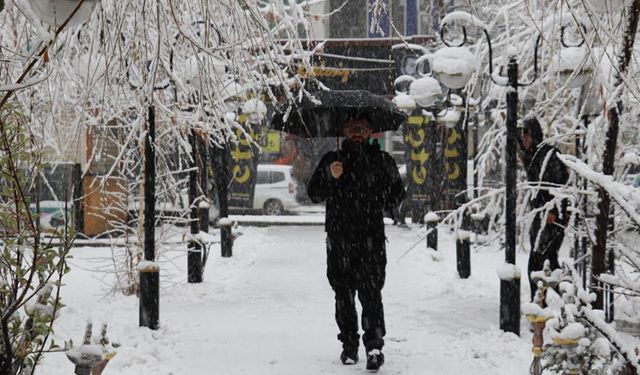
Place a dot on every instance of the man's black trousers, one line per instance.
(358, 266)
(548, 246)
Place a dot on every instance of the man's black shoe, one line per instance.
(349, 357)
(375, 359)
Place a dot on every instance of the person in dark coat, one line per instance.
(359, 182)
(544, 170)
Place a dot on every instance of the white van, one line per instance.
(275, 191)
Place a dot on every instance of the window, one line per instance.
(350, 21)
(277, 177)
(262, 177)
(398, 12)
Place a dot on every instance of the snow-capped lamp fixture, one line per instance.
(55, 12)
(450, 117)
(572, 65)
(453, 66)
(403, 100)
(405, 103)
(402, 83)
(255, 110)
(425, 91)
(199, 66)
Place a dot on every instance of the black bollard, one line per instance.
(509, 275)
(431, 221)
(221, 171)
(463, 254)
(149, 300)
(226, 239)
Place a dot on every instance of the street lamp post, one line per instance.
(454, 67)
(509, 275)
(419, 135)
(149, 270)
(510, 287)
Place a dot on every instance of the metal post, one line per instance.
(577, 254)
(463, 243)
(475, 155)
(585, 238)
(194, 249)
(510, 289)
(609, 294)
(431, 222)
(463, 254)
(204, 204)
(149, 276)
(77, 198)
(222, 179)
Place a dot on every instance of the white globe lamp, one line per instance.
(425, 91)
(453, 66)
(55, 12)
(572, 62)
(255, 109)
(405, 103)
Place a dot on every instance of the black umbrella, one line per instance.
(325, 112)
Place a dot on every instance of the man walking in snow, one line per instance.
(544, 170)
(359, 183)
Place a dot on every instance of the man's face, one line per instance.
(357, 131)
(527, 141)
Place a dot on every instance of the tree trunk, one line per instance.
(598, 264)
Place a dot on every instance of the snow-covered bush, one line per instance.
(581, 341)
(31, 270)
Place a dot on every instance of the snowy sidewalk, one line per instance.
(269, 310)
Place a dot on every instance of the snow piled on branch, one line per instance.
(627, 197)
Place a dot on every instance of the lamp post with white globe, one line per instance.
(422, 99)
(509, 273)
(453, 67)
(419, 97)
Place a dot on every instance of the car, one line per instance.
(275, 192)
(52, 214)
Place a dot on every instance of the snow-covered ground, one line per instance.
(269, 310)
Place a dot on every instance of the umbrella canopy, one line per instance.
(326, 114)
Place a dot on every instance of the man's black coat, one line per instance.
(542, 156)
(369, 186)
